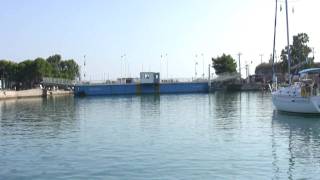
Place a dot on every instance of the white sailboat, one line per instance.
(301, 96)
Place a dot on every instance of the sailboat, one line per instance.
(301, 96)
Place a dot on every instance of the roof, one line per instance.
(310, 71)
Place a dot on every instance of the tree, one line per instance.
(224, 64)
(42, 69)
(55, 59)
(55, 62)
(30, 72)
(299, 53)
(69, 69)
(26, 73)
(8, 71)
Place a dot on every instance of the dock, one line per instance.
(12, 94)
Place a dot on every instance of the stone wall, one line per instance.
(6, 94)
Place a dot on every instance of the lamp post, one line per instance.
(167, 66)
(195, 66)
(128, 67)
(124, 64)
(202, 65)
(160, 64)
(195, 70)
(121, 68)
(84, 67)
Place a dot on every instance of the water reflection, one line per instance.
(150, 113)
(225, 104)
(188, 136)
(150, 106)
(300, 135)
(45, 116)
(225, 109)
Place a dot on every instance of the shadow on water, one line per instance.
(301, 134)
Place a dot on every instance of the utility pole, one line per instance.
(261, 55)
(247, 72)
(239, 64)
(313, 52)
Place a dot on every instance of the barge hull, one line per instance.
(123, 89)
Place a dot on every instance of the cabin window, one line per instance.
(146, 76)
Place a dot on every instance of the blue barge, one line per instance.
(149, 84)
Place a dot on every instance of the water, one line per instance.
(189, 136)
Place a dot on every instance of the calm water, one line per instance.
(192, 136)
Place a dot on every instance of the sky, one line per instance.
(177, 38)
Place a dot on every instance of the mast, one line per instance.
(274, 42)
(288, 42)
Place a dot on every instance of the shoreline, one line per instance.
(11, 94)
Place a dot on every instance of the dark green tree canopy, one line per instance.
(299, 53)
(29, 72)
(224, 64)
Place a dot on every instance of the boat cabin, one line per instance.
(310, 82)
(149, 78)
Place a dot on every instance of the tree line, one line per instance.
(299, 55)
(27, 73)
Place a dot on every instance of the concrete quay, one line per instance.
(11, 94)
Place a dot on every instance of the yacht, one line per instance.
(301, 96)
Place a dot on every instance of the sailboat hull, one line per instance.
(296, 104)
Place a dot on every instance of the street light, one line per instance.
(195, 70)
(202, 65)
(160, 64)
(167, 66)
(84, 67)
(165, 58)
(195, 66)
(122, 61)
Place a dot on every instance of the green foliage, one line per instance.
(224, 64)
(29, 72)
(299, 53)
(266, 68)
(42, 68)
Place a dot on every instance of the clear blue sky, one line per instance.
(104, 30)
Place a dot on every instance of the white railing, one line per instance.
(226, 77)
(57, 81)
(137, 81)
